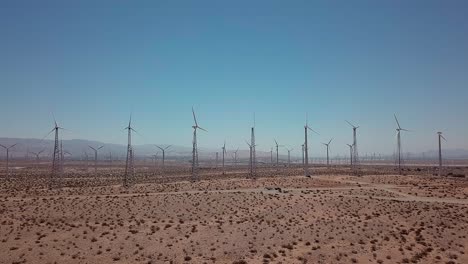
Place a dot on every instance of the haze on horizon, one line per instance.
(94, 64)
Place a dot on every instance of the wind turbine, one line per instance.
(253, 145)
(251, 162)
(277, 152)
(271, 155)
(8, 158)
(302, 154)
(37, 154)
(306, 150)
(195, 148)
(87, 161)
(95, 156)
(350, 154)
(155, 156)
(163, 153)
(129, 165)
(399, 129)
(440, 151)
(224, 152)
(235, 157)
(328, 147)
(56, 161)
(355, 148)
(289, 156)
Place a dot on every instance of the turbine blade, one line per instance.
(92, 148)
(135, 131)
(350, 123)
(101, 147)
(48, 134)
(55, 121)
(194, 118)
(443, 137)
(202, 129)
(13, 145)
(398, 123)
(3, 146)
(330, 141)
(313, 131)
(168, 147)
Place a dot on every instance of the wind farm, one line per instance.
(247, 173)
(239, 132)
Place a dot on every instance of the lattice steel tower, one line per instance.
(56, 174)
(129, 176)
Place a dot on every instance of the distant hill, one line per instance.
(77, 147)
(447, 153)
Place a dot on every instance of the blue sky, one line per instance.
(94, 63)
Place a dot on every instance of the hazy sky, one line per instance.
(94, 63)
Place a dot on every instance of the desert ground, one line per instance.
(279, 216)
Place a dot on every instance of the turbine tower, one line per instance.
(355, 148)
(129, 176)
(399, 129)
(328, 147)
(62, 157)
(306, 149)
(271, 156)
(302, 154)
(350, 155)
(87, 161)
(195, 148)
(289, 156)
(251, 161)
(277, 152)
(253, 154)
(155, 156)
(95, 157)
(224, 152)
(8, 158)
(37, 154)
(252, 145)
(440, 151)
(163, 153)
(235, 157)
(56, 157)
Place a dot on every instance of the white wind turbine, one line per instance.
(95, 156)
(195, 147)
(8, 158)
(399, 129)
(306, 148)
(328, 147)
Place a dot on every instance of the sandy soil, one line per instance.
(273, 219)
